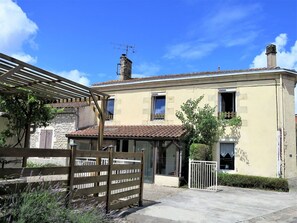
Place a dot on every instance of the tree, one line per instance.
(23, 112)
(203, 126)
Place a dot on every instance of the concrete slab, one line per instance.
(228, 205)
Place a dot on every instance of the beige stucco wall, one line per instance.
(87, 117)
(259, 102)
(289, 153)
(256, 149)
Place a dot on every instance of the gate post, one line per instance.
(108, 188)
(140, 203)
(189, 177)
(71, 175)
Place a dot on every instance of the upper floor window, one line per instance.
(227, 104)
(158, 107)
(109, 109)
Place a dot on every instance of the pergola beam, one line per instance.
(10, 72)
(15, 76)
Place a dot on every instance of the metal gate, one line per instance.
(203, 175)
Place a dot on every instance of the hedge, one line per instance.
(266, 183)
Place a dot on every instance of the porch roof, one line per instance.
(133, 132)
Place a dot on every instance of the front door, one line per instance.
(148, 160)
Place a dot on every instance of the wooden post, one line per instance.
(26, 143)
(71, 175)
(140, 203)
(108, 188)
(101, 123)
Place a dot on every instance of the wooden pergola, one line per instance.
(15, 76)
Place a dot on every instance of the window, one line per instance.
(46, 139)
(158, 107)
(166, 159)
(227, 107)
(227, 156)
(109, 109)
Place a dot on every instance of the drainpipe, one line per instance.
(282, 150)
(278, 133)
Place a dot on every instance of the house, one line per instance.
(141, 115)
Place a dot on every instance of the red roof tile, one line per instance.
(133, 131)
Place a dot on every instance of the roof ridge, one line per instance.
(183, 75)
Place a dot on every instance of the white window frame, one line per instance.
(111, 98)
(154, 95)
(226, 90)
(219, 156)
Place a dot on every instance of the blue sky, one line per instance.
(78, 38)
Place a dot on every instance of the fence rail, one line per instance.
(203, 175)
(111, 177)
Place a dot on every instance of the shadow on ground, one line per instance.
(133, 208)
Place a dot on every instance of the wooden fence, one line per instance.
(117, 184)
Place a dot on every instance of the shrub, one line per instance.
(266, 183)
(31, 164)
(46, 204)
(200, 152)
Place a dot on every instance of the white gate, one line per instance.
(203, 175)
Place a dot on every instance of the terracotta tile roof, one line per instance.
(70, 104)
(183, 75)
(133, 131)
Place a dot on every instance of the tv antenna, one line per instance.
(124, 47)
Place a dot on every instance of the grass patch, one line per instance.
(245, 181)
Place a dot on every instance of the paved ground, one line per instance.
(165, 204)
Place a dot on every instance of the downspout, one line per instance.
(282, 152)
(278, 133)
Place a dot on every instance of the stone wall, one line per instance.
(61, 125)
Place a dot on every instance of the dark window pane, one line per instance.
(166, 160)
(227, 156)
(227, 105)
(158, 107)
(228, 102)
(110, 109)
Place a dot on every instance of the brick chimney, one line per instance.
(271, 55)
(125, 68)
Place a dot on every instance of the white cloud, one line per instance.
(227, 25)
(139, 75)
(24, 57)
(76, 76)
(190, 50)
(146, 69)
(16, 30)
(284, 58)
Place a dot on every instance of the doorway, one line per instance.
(148, 160)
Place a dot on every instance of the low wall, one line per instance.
(167, 181)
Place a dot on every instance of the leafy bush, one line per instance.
(200, 152)
(266, 183)
(46, 204)
(31, 164)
